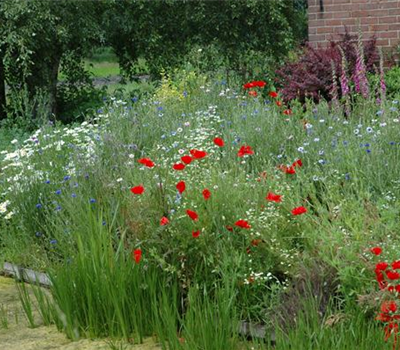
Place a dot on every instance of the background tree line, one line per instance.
(39, 39)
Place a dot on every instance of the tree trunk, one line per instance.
(53, 86)
(3, 113)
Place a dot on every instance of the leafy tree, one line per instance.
(164, 31)
(38, 37)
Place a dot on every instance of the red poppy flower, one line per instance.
(380, 278)
(164, 221)
(137, 189)
(196, 234)
(248, 86)
(392, 275)
(146, 162)
(383, 317)
(245, 150)
(278, 103)
(179, 166)
(196, 154)
(290, 170)
(253, 93)
(186, 159)
(272, 197)
(259, 83)
(287, 112)
(181, 186)
(242, 224)
(299, 211)
(137, 255)
(229, 228)
(298, 163)
(376, 250)
(273, 94)
(381, 266)
(206, 194)
(219, 142)
(192, 214)
(396, 265)
(388, 306)
(397, 288)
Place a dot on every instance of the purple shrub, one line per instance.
(311, 76)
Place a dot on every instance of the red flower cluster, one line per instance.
(253, 84)
(388, 280)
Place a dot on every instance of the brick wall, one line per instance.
(379, 17)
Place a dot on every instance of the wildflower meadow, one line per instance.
(179, 217)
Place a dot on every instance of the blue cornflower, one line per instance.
(58, 208)
(347, 176)
(92, 200)
(99, 111)
(244, 117)
(66, 178)
(86, 176)
(53, 241)
(134, 99)
(185, 93)
(58, 192)
(38, 234)
(38, 206)
(47, 181)
(104, 223)
(367, 145)
(73, 195)
(160, 108)
(345, 143)
(368, 151)
(392, 143)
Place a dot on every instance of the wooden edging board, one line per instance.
(27, 275)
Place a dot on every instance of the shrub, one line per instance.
(311, 75)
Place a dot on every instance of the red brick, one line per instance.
(379, 17)
(389, 19)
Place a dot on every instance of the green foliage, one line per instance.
(39, 38)
(236, 29)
